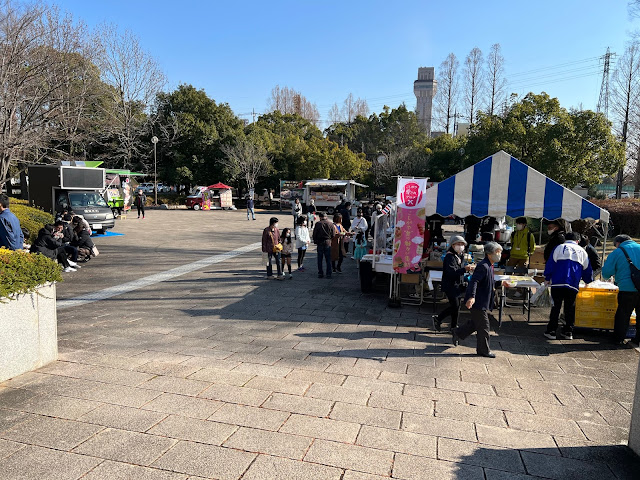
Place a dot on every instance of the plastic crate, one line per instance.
(597, 299)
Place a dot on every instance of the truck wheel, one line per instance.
(330, 210)
(196, 207)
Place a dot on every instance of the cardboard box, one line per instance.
(433, 263)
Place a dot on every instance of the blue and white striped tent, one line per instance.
(502, 185)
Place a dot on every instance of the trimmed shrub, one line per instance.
(23, 272)
(625, 214)
(31, 218)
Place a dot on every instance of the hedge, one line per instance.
(23, 272)
(625, 214)
(31, 218)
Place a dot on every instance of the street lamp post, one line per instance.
(154, 140)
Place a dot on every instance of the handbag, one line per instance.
(635, 273)
(277, 247)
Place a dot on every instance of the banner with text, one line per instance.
(408, 241)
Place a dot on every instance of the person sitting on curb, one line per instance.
(568, 264)
(479, 299)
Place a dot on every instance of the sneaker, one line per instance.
(270, 277)
(302, 269)
(339, 270)
(487, 355)
(290, 277)
(69, 269)
(280, 277)
(73, 264)
(437, 323)
(455, 339)
(550, 335)
(566, 335)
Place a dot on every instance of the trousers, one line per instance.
(324, 255)
(274, 258)
(627, 301)
(479, 323)
(451, 311)
(567, 296)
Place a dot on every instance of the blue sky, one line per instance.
(238, 51)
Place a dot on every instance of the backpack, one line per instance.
(635, 273)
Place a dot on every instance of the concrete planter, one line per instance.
(28, 332)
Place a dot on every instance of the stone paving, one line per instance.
(222, 374)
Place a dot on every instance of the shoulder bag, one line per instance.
(277, 246)
(635, 273)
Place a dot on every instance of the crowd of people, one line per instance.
(68, 240)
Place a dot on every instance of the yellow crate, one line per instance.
(599, 299)
(595, 318)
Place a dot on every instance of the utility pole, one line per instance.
(253, 112)
(154, 140)
(603, 100)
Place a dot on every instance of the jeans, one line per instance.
(274, 257)
(73, 251)
(324, 253)
(627, 301)
(568, 296)
(479, 323)
(140, 209)
(250, 211)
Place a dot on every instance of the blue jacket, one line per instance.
(616, 265)
(482, 286)
(568, 264)
(11, 236)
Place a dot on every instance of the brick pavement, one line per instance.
(222, 374)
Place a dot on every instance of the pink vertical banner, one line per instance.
(408, 243)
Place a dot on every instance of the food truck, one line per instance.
(328, 194)
(119, 189)
(214, 197)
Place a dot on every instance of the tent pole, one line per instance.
(604, 244)
(540, 239)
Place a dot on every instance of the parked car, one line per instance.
(146, 187)
(622, 195)
(162, 188)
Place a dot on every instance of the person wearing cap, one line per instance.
(556, 232)
(616, 265)
(523, 244)
(568, 264)
(453, 284)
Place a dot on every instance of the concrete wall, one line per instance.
(28, 332)
(634, 433)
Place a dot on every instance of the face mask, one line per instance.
(459, 248)
(519, 227)
(550, 231)
(288, 235)
(275, 225)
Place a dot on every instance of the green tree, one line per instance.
(200, 128)
(571, 147)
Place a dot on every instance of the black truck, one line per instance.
(55, 188)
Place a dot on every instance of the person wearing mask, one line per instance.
(568, 264)
(359, 225)
(250, 206)
(453, 284)
(617, 266)
(376, 213)
(323, 233)
(337, 243)
(139, 202)
(594, 258)
(270, 243)
(46, 244)
(302, 241)
(296, 211)
(523, 244)
(311, 212)
(11, 236)
(556, 232)
(479, 299)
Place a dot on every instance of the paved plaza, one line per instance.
(188, 364)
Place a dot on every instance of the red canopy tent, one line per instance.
(219, 186)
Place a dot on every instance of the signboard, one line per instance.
(408, 239)
(289, 190)
(82, 178)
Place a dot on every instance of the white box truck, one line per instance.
(327, 194)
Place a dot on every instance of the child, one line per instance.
(287, 250)
(302, 241)
(360, 247)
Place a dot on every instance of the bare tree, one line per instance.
(473, 82)
(288, 101)
(447, 95)
(246, 160)
(495, 78)
(625, 100)
(36, 48)
(352, 107)
(135, 78)
(334, 114)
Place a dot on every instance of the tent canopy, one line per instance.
(502, 185)
(219, 186)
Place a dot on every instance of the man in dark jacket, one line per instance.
(11, 236)
(139, 202)
(594, 258)
(47, 245)
(556, 232)
(452, 284)
(479, 299)
(323, 232)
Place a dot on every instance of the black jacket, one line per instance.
(594, 258)
(556, 238)
(67, 232)
(323, 232)
(46, 244)
(452, 273)
(82, 240)
(482, 286)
